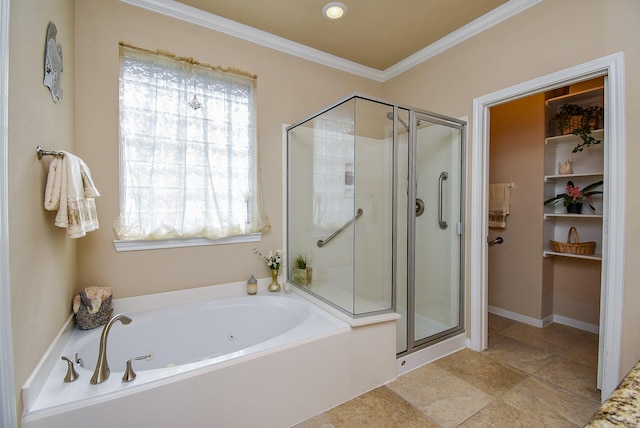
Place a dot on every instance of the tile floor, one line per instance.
(528, 377)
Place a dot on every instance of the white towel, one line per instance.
(499, 201)
(71, 191)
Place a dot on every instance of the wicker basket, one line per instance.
(577, 247)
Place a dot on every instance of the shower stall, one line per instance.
(375, 196)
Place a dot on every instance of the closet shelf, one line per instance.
(567, 138)
(577, 97)
(597, 257)
(553, 216)
(552, 178)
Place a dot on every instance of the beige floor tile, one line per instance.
(481, 371)
(380, 408)
(549, 404)
(498, 323)
(571, 375)
(320, 421)
(529, 377)
(584, 350)
(500, 414)
(517, 354)
(550, 339)
(443, 397)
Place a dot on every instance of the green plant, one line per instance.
(588, 118)
(573, 194)
(562, 119)
(591, 117)
(301, 261)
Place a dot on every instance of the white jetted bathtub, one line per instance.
(225, 360)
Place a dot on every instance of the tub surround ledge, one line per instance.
(336, 363)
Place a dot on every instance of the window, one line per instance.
(187, 148)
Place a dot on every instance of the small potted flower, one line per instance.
(302, 272)
(274, 260)
(573, 198)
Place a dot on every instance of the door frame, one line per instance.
(612, 279)
(8, 410)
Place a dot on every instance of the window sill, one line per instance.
(179, 243)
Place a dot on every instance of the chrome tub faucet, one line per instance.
(102, 371)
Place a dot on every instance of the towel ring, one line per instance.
(42, 152)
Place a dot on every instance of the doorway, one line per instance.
(613, 240)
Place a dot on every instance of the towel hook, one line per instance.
(42, 152)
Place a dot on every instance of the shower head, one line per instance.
(390, 117)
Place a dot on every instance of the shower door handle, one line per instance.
(419, 207)
(443, 176)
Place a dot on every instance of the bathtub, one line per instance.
(218, 357)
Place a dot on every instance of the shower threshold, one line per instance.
(407, 362)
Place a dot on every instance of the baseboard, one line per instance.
(581, 325)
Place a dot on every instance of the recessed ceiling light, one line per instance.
(334, 10)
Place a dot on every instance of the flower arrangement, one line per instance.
(573, 195)
(274, 260)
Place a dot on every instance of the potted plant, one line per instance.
(580, 121)
(573, 197)
(302, 273)
(591, 118)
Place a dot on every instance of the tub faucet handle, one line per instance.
(72, 374)
(129, 374)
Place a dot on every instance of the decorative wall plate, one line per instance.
(53, 64)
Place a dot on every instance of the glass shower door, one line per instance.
(435, 289)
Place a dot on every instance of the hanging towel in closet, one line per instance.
(499, 201)
(70, 190)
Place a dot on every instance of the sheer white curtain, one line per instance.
(188, 150)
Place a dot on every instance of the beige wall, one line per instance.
(42, 259)
(517, 156)
(44, 271)
(289, 89)
(546, 38)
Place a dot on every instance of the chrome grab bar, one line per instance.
(443, 176)
(321, 243)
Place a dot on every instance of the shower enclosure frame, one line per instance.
(414, 113)
(415, 116)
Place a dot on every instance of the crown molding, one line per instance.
(214, 22)
(490, 19)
